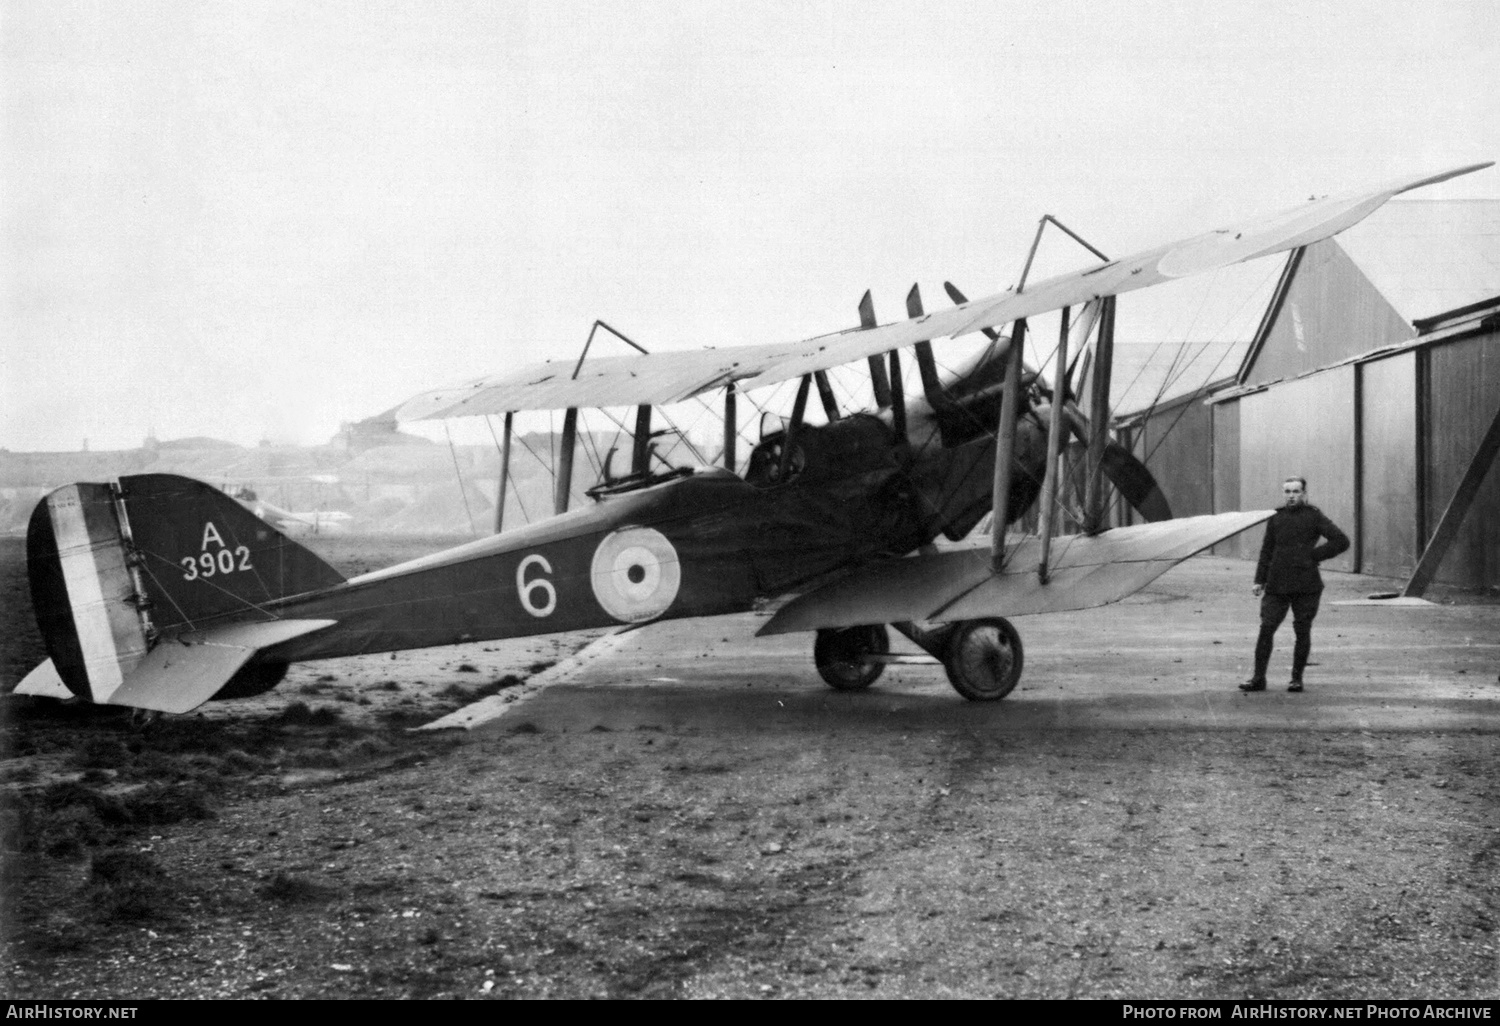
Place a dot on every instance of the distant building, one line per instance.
(374, 432)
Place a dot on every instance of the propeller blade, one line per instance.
(1135, 482)
(993, 335)
(959, 299)
(1128, 474)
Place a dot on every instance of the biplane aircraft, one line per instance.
(159, 592)
(318, 521)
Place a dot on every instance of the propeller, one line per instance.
(1125, 471)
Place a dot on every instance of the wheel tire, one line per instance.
(984, 659)
(838, 655)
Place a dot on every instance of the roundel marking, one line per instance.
(635, 574)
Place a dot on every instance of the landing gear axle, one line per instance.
(983, 658)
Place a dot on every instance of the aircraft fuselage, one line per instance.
(702, 545)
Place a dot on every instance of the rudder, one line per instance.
(82, 592)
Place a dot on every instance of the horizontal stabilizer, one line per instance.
(1086, 571)
(183, 672)
(43, 682)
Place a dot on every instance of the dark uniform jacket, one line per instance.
(1290, 555)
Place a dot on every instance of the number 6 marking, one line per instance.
(526, 589)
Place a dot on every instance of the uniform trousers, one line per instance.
(1273, 607)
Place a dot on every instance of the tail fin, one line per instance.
(112, 569)
(204, 558)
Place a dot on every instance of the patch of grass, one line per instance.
(494, 687)
(184, 734)
(369, 749)
(456, 692)
(287, 889)
(385, 685)
(238, 761)
(101, 753)
(128, 887)
(300, 715)
(541, 665)
(160, 804)
(54, 818)
(402, 718)
(317, 759)
(466, 668)
(19, 774)
(69, 832)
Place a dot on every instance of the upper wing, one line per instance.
(651, 379)
(958, 585)
(669, 377)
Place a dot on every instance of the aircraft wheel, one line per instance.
(840, 655)
(984, 659)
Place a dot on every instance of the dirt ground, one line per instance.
(692, 814)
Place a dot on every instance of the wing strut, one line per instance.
(897, 397)
(731, 426)
(799, 409)
(504, 473)
(1104, 357)
(640, 450)
(1054, 447)
(1005, 443)
(825, 394)
(564, 482)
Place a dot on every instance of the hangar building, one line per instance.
(1368, 363)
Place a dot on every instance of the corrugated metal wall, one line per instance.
(1226, 442)
(1303, 427)
(1462, 395)
(1388, 466)
(1179, 449)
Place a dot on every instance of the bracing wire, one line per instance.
(462, 491)
(508, 477)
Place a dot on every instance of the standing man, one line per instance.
(1287, 577)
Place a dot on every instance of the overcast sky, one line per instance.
(257, 220)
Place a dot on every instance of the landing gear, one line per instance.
(840, 656)
(983, 659)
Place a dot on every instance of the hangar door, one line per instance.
(1388, 466)
(1463, 396)
(1303, 427)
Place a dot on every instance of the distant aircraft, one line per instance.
(310, 522)
(160, 592)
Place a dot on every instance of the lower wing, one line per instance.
(1086, 571)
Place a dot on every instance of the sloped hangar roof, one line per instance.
(1425, 257)
(1429, 257)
